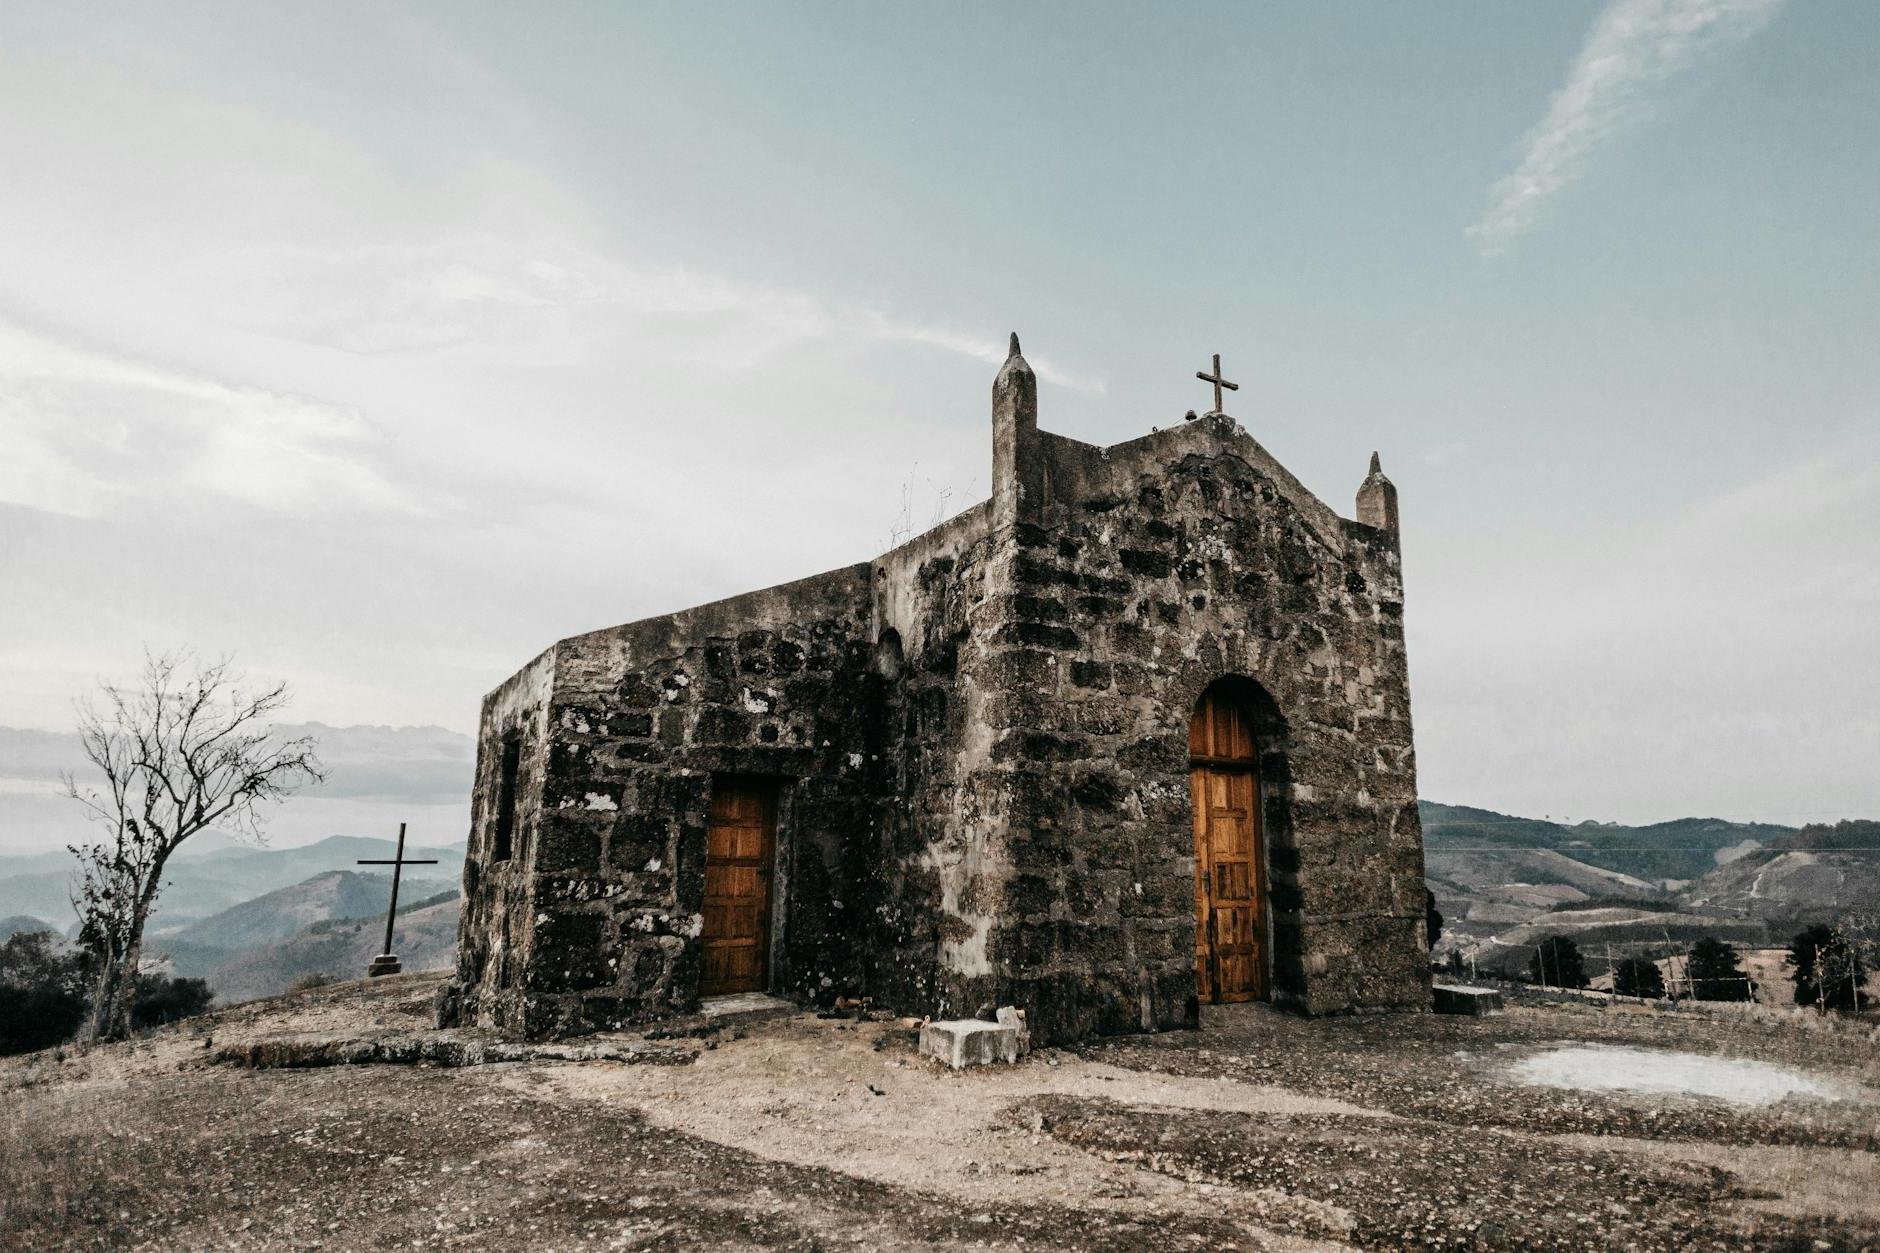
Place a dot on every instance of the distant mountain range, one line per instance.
(1682, 849)
(252, 920)
(425, 938)
(222, 876)
(1504, 883)
(205, 947)
(20, 924)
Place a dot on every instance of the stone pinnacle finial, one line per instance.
(1015, 365)
(1017, 463)
(1377, 498)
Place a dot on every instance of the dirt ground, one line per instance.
(1260, 1131)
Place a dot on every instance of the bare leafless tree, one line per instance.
(186, 749)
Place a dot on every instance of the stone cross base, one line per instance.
(383, 964)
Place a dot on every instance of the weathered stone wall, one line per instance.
(931, 910)
(496, 934)
(1145, 573)
(639, 719)
(982, 738)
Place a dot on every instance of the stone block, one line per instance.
(969, 1042)
(1015, 1019)
(1456, 998)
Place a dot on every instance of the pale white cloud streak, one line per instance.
(1634, 45)
(83, 426)
(990, 351)
(548, 298)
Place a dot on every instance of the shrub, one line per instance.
(1557, 963)
(1714, 974)
(1637, 976)
(162, 999)
(42, 991)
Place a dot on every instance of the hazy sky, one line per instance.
(383, 345)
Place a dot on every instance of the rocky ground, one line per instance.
(1262, 1130)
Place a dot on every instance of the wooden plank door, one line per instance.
(740, 845)
(1230, 913)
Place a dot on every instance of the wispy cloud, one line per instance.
(549, 297)
(990, 351)
(1634, 45)
(83, 426)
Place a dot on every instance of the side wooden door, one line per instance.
(1230, 897)
(740, 847)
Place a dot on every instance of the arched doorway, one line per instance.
(1231, 959)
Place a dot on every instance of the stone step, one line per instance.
(744, 1007)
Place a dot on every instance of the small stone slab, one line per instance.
(1458, 998)
(744, 1007)
(969, 1042)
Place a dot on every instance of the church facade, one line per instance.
(1130, 736)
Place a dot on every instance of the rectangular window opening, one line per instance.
(511, 765)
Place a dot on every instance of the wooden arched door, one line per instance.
(1230, 864)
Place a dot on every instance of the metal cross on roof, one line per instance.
(1219, 382)
(386, 963)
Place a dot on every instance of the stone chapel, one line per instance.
(1130, 736)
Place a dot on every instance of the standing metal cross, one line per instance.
(386, 963)
(1219, 382)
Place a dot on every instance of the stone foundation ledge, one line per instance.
(435, 1048)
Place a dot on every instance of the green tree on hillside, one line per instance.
(1638, 976)
(1714, 974)
(1827, 967)
(1557, 963)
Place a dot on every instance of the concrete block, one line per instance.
(1456, 998)
(969, 1042)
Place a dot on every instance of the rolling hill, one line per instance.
(202, 883)
(1678, 850)
(1816, 874)
(425, 939)
(200, 947)
(21, 924)
(1503, 884)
